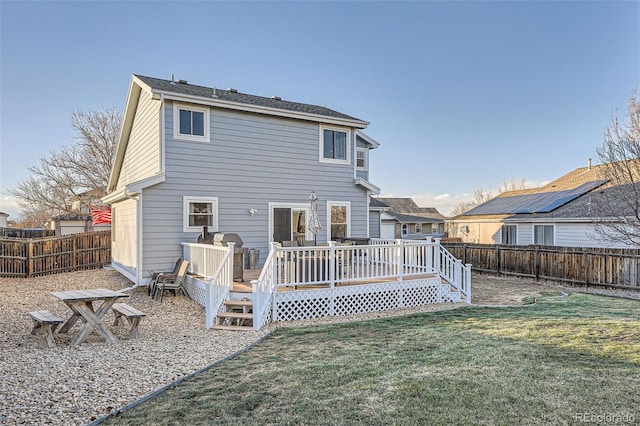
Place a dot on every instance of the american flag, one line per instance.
(100, 216)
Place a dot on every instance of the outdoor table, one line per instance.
(81, 303)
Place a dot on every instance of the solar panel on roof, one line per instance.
(543, 202)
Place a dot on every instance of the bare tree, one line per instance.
(479, 196)
(74, 171)
(482, 195)
(617, 205)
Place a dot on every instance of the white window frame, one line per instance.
(186, 201)
(346, 204)
(553, 233)
(418, 228)
(404, 229)
(176, 123)
(365, 157)
(502, 234)
(348, 143)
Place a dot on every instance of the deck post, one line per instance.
(400, 259)
(332, 277)
(208, 301)
(467, 284)
(436, 257)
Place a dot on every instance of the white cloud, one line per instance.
(8, 205)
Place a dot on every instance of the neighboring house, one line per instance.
(559, 213)
(80, 221)
(192, 156)
(74, 224)
(3, 219)
(401, 218)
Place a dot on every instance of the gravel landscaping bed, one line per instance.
(75, 386)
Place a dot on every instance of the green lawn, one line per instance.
(561, 360)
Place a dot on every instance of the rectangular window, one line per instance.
(339, 214)
(510, 234)
(418, 228)
(361, 158)
(199, 212)
(405, 229)
(191, 123)
(543, 235)
(334, 145)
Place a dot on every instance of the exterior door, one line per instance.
(281, 224)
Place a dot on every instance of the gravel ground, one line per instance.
(73, 387)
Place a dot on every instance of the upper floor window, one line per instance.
(510, 234)
(199, 212)
(405, 229)
(334, 145)
(361, 158)
(418, 228)
(190, 123)
(543, 235)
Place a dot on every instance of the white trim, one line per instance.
(368, 139)
(176, 122)
(368, 185)
(366, 158)
(293, 206)
(188, 199)
(348, 143)
(337, 121)
(136, 187)
(346, 204)
(533, 232)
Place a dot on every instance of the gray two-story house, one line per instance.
(192, 156)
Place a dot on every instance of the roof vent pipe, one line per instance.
(589, 164)
(173, 81)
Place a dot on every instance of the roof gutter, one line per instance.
(215, 102)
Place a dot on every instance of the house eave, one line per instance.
(368, 139)
(133, 189)
(367, 185)
(220, 103)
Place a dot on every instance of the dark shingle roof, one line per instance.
(405, 210)
(243, 98)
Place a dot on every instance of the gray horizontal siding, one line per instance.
(252, 160)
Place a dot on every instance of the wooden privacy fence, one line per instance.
(22, 258)
(586, 266)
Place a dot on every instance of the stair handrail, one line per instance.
(217, 294)
(454, 272)
(263, 289)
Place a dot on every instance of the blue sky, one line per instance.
(461, 95)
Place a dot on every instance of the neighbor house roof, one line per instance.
(568, 197)
(405, 210)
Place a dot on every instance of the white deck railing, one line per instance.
(212, 268)
(297, 268)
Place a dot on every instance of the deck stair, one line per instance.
(237, 313)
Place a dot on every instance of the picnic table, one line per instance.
(81, 303)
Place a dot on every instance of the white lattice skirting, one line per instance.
(358, 299)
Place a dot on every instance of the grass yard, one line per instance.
(561, 361)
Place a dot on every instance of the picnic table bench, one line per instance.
(44, 322)
(132, 315)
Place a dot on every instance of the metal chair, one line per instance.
(155, 275)
(171, 282)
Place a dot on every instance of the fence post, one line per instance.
(29, 258)
(537, 264)
(498, 258)
(74, 254)
(400, 259)
(437, 266)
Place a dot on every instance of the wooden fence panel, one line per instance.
(587, 266)
(44, 256)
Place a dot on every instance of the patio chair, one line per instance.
(171, 282)
(156, 274)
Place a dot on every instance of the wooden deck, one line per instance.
(253, 274)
